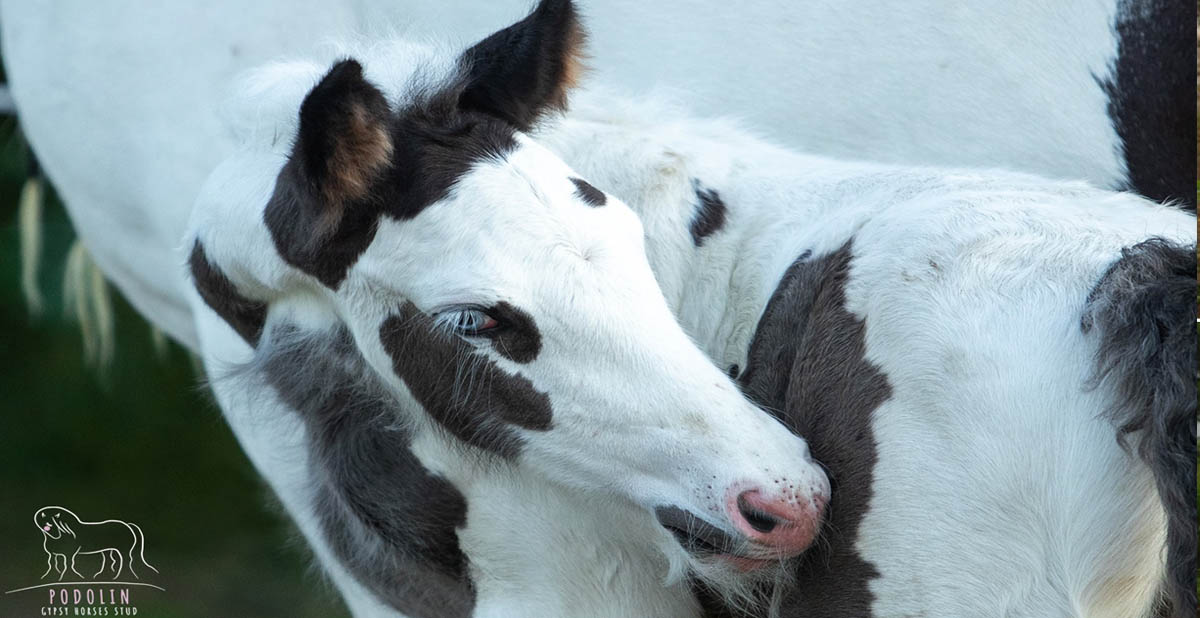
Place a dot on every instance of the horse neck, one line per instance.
(539, 549)
(658, 162)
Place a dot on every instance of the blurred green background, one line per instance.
(142, 441)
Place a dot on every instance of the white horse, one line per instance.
(120, 98)
(65, 537)
(965, 352)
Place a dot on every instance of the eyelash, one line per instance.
(470, 321)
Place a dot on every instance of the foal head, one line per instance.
(505, 304)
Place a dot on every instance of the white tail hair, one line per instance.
(29, 222)
(87, 299)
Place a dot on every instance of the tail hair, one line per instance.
(139, 547)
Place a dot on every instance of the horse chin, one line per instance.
(751, 585)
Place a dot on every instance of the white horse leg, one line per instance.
(73, 563)
(118, 563)
(49, 565)
(97, 573)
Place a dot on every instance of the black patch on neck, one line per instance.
(1142, 310)
(807, 365)
(590, 195)
(710, 213)
(464, 391)
(244, 315)
(1152, 97)
(434, 144)
(391, 522)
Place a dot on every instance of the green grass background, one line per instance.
(144, 442)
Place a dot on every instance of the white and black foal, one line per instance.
(996, 371)
(453, 362)
(460, 375)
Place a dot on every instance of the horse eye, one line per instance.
(471, 321)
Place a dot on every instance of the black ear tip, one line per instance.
(563, 13)
(555, 5)
(343, 82)
(346, 71)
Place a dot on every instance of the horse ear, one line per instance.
(526, 69)
(343, 139)
(319, 216)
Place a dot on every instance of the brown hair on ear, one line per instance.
(344, 138)
(322, 214)
(527, 69)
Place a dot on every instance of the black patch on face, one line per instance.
(590, 195)
(710, 213)
(355, 160)
(433, 144)
(1142, 310)
(391, 522)
(1152, 97)
(463, 390)
(244, 315)
(518, 338)
(694, 534)
(806, 364)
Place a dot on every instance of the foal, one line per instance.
(456, 367)
(997, 371)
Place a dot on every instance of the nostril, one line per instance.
(760, 521)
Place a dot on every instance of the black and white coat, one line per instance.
(965, 352)
(1102, 91)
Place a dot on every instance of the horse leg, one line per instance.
(97, 573)
(118, 563)
(63, 571)
(73, 563)
(49, 565)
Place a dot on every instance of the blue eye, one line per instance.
(471, 321)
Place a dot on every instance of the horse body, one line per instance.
(1052, 89)
(930, 333)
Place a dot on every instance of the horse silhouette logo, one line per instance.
(65, 537)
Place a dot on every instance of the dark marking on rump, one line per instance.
(807, 364)
(518, 339)
(590, 195)
(710, 213)
(391, 522)
(463, 390)
(244, 315)
(1143, 310)
(1152, 94)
